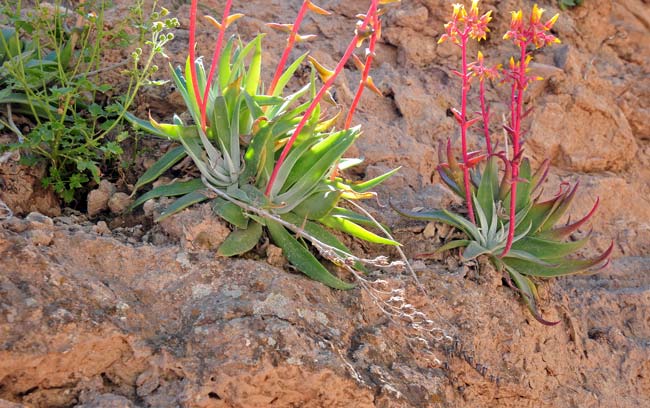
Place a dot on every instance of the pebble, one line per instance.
(119, 203)
(429, 231)
(98, 198)
(40, 237)
(101, 228)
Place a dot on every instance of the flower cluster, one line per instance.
(483, 72)
(463, 24)
(534, 32)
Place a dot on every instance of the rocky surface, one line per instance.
(108, 312)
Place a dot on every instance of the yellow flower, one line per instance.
(536, 14)
(549, 24)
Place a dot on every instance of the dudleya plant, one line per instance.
(269, 159)
(507, 220)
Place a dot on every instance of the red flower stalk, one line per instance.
(366, 79)
(202, 97)
(359, 36)
(482, 73)
(522, 35)
(214, 62)
(460, 29)
(192, 52)
(287, 50)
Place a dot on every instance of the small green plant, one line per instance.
(269, 159)
(507, 221)
(51, 68)
(565, 4)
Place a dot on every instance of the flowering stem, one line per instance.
(214, 63)
(464, 126)
(519, 85)
(192, 52)
(366, 72)
(339, 67)
(485, 112)
(287, 50)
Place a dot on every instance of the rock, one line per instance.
(37, 220)
(429, 231)
(197, 228)
(98, 198)
(107, 401)
(22, 191)
(119, 202)
(102, 228)
(574, 131)
(274, 256)
(148, 207)
(40, 237)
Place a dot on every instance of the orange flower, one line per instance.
(482, 72)
(534, 32)
(466, 25)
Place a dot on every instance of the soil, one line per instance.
(100, 309)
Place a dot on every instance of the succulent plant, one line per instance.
(541, 247)
(506, 221)
(272, 158)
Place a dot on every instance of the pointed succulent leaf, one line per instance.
(323, 235)
(443, 216)
(372, 183)
(182, 203)
(566, 198)
(566, 230)
(473, 250)
(540, 175)
(312, 175)
(548, 249)
(562, 267)
(296, 155)
(241, 241)
(163, 164)
(349, 227)
(528, 293)
(353, 216)
(255, 68)
(230, 212)
(173, 189)
(287, 75)
(223, 67)
(539, 213)
(457, 243)
(524, 187)
(526, 256)
(318, 205)
(487, 195)
(302, 259)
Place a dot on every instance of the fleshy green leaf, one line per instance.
(241, 241)
(182, 203)
(302, 259)
(546, 249)
(318, 205)
(562, 267)
(168, 160)
(349, 227)
(321, 234)
(528, 293)
(230, 212)
(173, 189)
(372, 183)
(488, 189)
(474, 250)
(287, 75)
